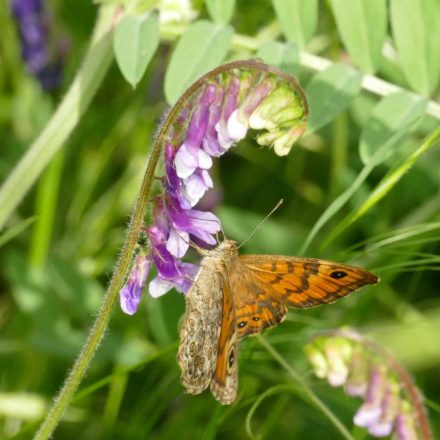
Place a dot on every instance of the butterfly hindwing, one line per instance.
(256, 306)
(200, 330)
(224, 382)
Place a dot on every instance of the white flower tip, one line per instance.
(281, 148)
(257, 122)
(237, 129)
(159, 287)
(381, 429)
(337, 378)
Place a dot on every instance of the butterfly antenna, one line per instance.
(260, 224)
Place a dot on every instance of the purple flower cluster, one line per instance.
(34, 28)
(347, 359)
(216, 117)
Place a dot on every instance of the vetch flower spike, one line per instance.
(392, 403)
(213, 115)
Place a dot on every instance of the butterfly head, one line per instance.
(227, 248)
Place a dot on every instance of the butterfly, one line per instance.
(234, 296)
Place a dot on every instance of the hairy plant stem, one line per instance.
(119, 275)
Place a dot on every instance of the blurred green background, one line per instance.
(60, 245)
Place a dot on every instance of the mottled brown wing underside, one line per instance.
(264, 285)
(199, 332)
(224, 382)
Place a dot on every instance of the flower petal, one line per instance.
(178, 242)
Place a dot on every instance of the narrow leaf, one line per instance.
(390, 120)
(298, 19)
(336, 205)
(384, 186)
(221, 11)
(362, 25)
(284, 56)
(416, 32)
(201, 48)
(135, 41)
(330, 92)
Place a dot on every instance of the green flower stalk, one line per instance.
(392, 403)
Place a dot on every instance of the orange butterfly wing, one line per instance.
(264, 285)
(224, 382)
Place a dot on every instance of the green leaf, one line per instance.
(416, 32)
(298, 19)
(221, 11)
(284, 56)
(201, 48)
(330, 92)
(15, 230)
(390, 120)
(135, 41)
(362, 25)
(384, 186)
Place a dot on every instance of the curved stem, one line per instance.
(85, 85)
(408, 384)
(119, 275)
(308, 391)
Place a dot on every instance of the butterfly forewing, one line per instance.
(279, 281)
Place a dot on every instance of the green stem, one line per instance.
(46, 206)
(384, 187)
(65, 119)
(101, 323)
(337, 204)
(307, 390)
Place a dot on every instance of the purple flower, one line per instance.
(405, 424)
(33, 24)
(369, 413)
(130, 295)
(389, 404)
(215, 117)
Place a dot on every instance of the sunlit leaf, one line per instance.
(330, 92)
(298, 19)
(390, 120)
(362, 25)
(202, 47)
(221, 11)
(135, 42)
(285, 56)
(416, 32)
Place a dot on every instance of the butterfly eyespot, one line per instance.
(192, 347)
(199, 361)
(338, 274)
(231, 358)
(256, 318)
(242, 324)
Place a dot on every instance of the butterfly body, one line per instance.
(235, 296)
